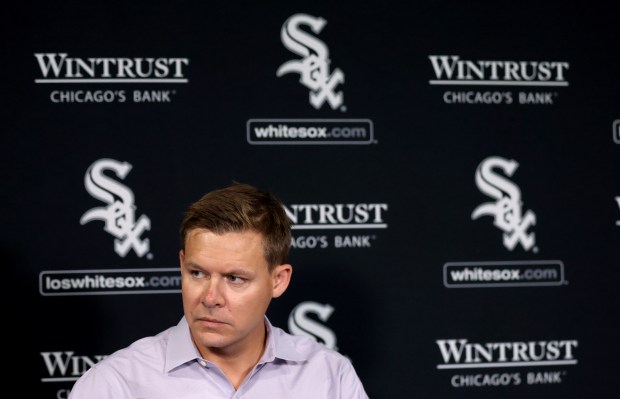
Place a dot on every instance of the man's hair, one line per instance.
(242, 207)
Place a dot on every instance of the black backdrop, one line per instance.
(390, 266)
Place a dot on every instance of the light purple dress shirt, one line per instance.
(169, 365)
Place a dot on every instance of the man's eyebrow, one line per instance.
(240, 271)
(195, 265)
(233, 270)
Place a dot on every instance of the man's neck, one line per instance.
(237, 362)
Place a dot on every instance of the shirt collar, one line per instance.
(181, 348)
(279, 346)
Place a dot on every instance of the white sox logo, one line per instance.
(119, 215)
(313, 68)
(507, 208)
(300, 324)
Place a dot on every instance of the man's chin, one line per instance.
(211, 341)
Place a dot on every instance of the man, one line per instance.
(234, 247)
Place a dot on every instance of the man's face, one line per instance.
(226, 289)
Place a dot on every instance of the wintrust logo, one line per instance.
(300, 323)
(334, 217)
(313, 67)
(452, 70)
(506, 211)
(119, 214)
(618, 202)
(461, 355)
(337, 216)
(60, 69)
(63, 368)
(66, 365)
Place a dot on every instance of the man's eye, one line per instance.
(196, 273)
(235, 279)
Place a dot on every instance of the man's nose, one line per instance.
(213, 295)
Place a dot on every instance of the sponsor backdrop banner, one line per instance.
(451, 171)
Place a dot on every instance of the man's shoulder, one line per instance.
(146, 349)
(142, 359)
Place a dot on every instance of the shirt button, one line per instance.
(203, 363)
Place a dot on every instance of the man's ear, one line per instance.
(181, 257)
(281, 278)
